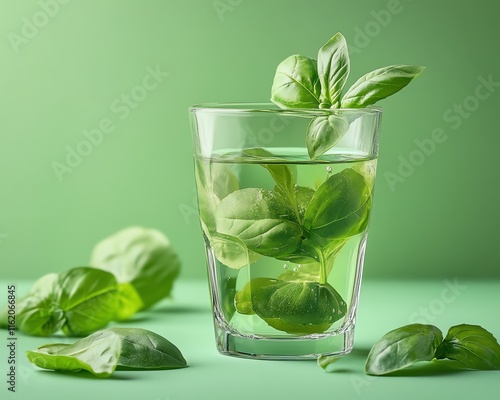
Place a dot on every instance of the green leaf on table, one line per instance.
(38, 313)
(89, 299)
(129, 302)
(103, 351)
(472, 345)
(142, 257)
(296, 83)
(144, 349)
(325, 132)
(39, 316)
(403, 347)
(339, 208)
(325, 361)
(379, 84)
(293, 307)
(261, 220)
(333, 70)
(78, 301)
(98, 354)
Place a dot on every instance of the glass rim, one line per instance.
(242, 107)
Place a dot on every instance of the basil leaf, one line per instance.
(325, 361)
(142, 257)
(102, 352)
(472, 345)
(228, 291)
(367, 169)
(403, 347)
(39, 316)
(228, 250)
(281, 173)
(89, 299)
(231, 251)
(296, 83)
(147, 350)
(213, 182)
(303, 196)
(305, 254)
(284, 180)
(292, 307)
(379, 84)
(78, 301)
(304, 273)
(296, 197)
(261, 220)
(206, 200)
(129, 302)
(38, 313)
(98, 353)
(223, 180)
(339, 208)
(333, 70)
(323, 133)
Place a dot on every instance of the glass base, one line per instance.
(232, 344)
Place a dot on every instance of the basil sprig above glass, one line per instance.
(303, 82)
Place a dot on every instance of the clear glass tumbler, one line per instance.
(284, 232)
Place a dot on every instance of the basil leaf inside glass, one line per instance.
(293, 307)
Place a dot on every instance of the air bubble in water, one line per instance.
(295, 270)
(285, 266)
(329, 169)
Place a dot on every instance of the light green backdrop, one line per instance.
(68, 66)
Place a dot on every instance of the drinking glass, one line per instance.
(284, 224)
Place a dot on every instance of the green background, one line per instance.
(439, 220)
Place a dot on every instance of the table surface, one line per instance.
(187, 322)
